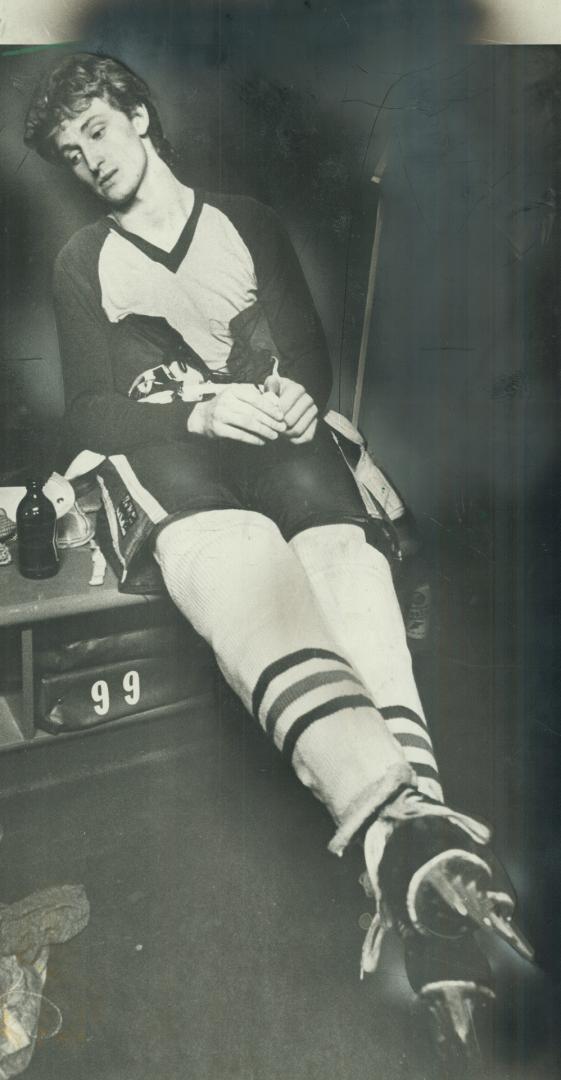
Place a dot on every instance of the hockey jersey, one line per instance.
(141, 325)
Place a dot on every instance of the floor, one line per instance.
(224, 939)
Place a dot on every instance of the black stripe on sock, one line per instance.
(400, 712)
(299, 689)
(286, 662)
(427, 771)
(413, 741)
(347, 701)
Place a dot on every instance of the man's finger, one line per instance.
(266, 403)
(307, 436)
(302, 425)
(235, 410)
(302, 413)
(227, 431)
(246, 416)
(290, 395)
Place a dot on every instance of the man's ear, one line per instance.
(140, 119)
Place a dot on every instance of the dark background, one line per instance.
(298, 104)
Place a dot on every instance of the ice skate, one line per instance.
(434, 882)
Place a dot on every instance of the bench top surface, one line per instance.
(23, 601)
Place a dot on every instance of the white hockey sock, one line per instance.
(353, 585)
(233, 576)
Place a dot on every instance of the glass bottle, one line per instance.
(36, 533)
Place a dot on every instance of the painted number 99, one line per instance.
(100, 692)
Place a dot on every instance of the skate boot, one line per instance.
(433, 879)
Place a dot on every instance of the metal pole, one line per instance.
(369, 304)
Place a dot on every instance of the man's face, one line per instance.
(105, 149)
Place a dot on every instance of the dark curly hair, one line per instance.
(67, 89)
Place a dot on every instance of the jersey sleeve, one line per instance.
(97, 417)
(286, 300)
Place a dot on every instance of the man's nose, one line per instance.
(93, 156)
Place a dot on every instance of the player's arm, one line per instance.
(97, 416)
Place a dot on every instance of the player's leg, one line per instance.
(240, 584)
(312, 494)
(353, 585)
(428, 866)
(236, 580)
(234, 577)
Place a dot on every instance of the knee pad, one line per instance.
(338, 544)
(217, 565)
(187, 538)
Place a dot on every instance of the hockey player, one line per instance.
(195, 368)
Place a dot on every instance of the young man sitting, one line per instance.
(195, 367)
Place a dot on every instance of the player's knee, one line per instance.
(338, 540)
(230, 532)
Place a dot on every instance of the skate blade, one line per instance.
(488, 910)
(513, 937)
(452, 1008)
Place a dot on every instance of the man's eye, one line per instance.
(75, 158)
(98, 133)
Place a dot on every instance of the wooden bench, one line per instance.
(26, 605)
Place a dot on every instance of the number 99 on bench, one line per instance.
(102, 699)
